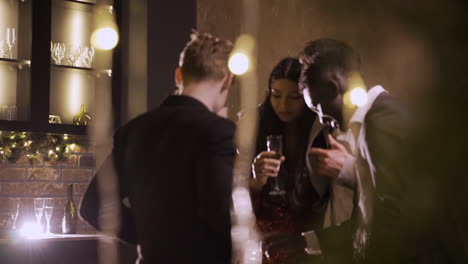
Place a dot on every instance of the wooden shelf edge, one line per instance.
(28, 126)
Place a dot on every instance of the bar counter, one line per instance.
(58, 249)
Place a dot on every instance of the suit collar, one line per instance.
(178, 100)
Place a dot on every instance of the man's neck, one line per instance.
(205, 92)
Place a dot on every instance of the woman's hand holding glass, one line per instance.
(266, 165)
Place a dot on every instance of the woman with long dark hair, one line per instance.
(290, 212)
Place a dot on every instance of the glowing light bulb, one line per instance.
(358, 97)
(239, 63)
(105, 38)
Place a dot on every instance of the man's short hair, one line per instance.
(327, 54)
(205, 57)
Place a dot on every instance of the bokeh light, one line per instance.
(105, 38)
(358, 96)
(31, 230)
(239, 63)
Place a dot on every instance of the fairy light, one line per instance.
(47, 146)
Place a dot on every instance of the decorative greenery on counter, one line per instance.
(37, 146)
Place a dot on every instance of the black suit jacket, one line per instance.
(175, 166)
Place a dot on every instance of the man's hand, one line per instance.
(330, 161)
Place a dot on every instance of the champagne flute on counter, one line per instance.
(48, 209)
(38, 209)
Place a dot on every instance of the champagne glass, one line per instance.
(74, 52)
(48, 209)
(11, 40)
(14, 210)
(87, 56)
(3, 49)
(38, 209)
(275, 143)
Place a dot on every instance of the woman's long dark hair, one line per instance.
(269, 123)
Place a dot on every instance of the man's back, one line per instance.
(175, 166)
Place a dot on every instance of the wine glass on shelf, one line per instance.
(3, 49)
(87, 56)
(275, 143)
(58, 52)
(74, 52)
(38, 209)
(48, 209)
(10, 40)
(14, 210)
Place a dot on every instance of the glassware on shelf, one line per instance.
(3, 49)
(87, 56)
(14, 210)
(48, 209)
(8, 112)
(38, 209)
(3, 112)
(10, 40)
(57, 51)
(74, 52)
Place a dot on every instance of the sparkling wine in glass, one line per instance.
(275, 143)
(38, 209)
(48, 209)
(15, 207)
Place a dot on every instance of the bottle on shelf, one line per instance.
(70, 216)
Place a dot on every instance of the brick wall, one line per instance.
(47, 180)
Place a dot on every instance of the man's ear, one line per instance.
(332, 90)
(179, 80)
(227, 82)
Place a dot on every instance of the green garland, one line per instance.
(37, 146)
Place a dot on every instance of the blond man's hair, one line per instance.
(205, 57)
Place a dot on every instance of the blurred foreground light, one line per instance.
(105, 38)
(358, 96)
(239, 63)
(242, 203)
(31, 230)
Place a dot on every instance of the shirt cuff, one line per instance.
(347, 174)
(312, 243)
